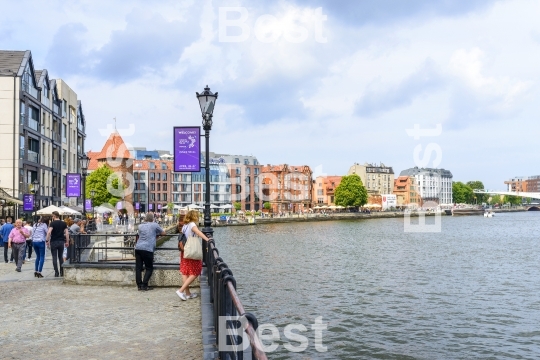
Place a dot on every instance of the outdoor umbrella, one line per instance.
(67, 211)
(49, 210)
(227, 206)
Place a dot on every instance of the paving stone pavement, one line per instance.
(45, 319)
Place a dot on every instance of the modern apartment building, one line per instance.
(524, 183)
(37, 116)
(287, 188)
(377, 179)
(405, 189)
(324, 189)
(432, 184)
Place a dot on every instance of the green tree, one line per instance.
(97, 181)
(478, 185)
(267, 205)
(495, 199)
(513, 200)
(461, 193)
(351, 192)
(237, 206)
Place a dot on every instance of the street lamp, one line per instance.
(207, 101)
(36, 190)
(92, 194)
(83, 164)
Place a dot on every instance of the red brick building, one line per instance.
(287, 188)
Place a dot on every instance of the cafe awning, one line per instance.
(8, 198)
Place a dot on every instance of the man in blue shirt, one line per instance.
(4, 233)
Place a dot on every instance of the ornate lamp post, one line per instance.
(36, 191)
(207, 101)
(83, 164)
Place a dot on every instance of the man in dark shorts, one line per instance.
(57, 237)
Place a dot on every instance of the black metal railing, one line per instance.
(100, 248)
(227, 305)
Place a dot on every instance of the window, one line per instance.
(136, 175)
(256, 170)
(164, 177)
(158, 187)
(236, 160)
(151, 165)
(216, 197)
(248, 171)
(152, 197)
(64, 108)
(163, 166)
(153, 187)
(158, 197)
(237, 171)
(164, 187)
(64, 133)
(238, 189)
(197, 187)
(64, 158)
(246, 162)
(158, 176)
(216, 188)
(164, 197)
(142, 176)
(152, 176)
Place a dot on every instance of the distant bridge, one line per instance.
(523, 194)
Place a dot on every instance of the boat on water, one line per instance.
(469, 210)
(489, 214)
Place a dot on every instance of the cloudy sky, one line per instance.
(322, 83)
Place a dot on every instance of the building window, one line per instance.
(152, 187)
(158, 187)
(152, 176)
(151, 165)
(246, 162)
(164, 177)
(236, 160)
(158, 176)
(165, 187)
(142, 176)
(164, 197)
(136, 175)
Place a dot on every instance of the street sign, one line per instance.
(73, 185)
(28, 202)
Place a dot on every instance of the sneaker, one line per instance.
(181, 295)
(147, 288)
(18, 270)
(192, 296)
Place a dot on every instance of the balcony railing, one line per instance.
(55, 164)
(44, 160)
(33, 124)
(32, 156)
(56, 136)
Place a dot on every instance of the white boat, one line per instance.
(489, 214)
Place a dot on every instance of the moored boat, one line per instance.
(458, 211)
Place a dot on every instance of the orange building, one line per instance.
(116, 156)
(287, 188)
(324, 189)
(406, 192)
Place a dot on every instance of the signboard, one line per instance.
(88, 205)
(187, 149)
(73, 185)
(159, 206)
(137, 206)
(28, 202)
(150, 206)
(389, 201)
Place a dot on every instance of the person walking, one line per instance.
(144, 251)
(39, 237)
(28, 226)
(57, 237)
(17, 243)
(190, 268)
(6, 230)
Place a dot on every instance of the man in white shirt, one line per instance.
(28, 226)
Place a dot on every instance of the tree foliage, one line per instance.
(478, 185)
(351, 192)
(513, 200)
(237, 206)
(267, 205)
(462, 193)
(97, 181)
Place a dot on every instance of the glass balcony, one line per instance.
(33, 124)
(33, 156)
(21, 153)
(55, 164)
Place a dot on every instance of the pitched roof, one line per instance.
(10, 62)
(93, 164)
(114, 148)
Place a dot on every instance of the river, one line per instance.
(469, 291)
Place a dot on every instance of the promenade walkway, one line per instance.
(45, 319)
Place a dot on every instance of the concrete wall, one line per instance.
(121, 275)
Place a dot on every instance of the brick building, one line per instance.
(287, 188)
(153, 184)
(324, 188)
(406, 192)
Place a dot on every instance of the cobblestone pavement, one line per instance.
(45, 319)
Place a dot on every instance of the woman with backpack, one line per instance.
(190, 269)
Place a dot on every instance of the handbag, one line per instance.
(193, 248)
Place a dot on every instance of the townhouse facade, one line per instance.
(434, 185)
(37, 116)
(324, 189)
(287, 188)
(405, 189)
(377, 179)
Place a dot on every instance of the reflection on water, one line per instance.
(471, 291)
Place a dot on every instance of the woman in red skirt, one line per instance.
(189, 268)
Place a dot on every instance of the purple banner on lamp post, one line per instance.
(137, 206)
(187, 149)
(159, 206)
(150, 206)
(88, 205)
(28, 202)
(73, 185)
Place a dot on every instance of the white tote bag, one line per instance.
(193, 247)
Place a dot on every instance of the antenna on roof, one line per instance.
(114, 123)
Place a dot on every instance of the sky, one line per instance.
(319, 83)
